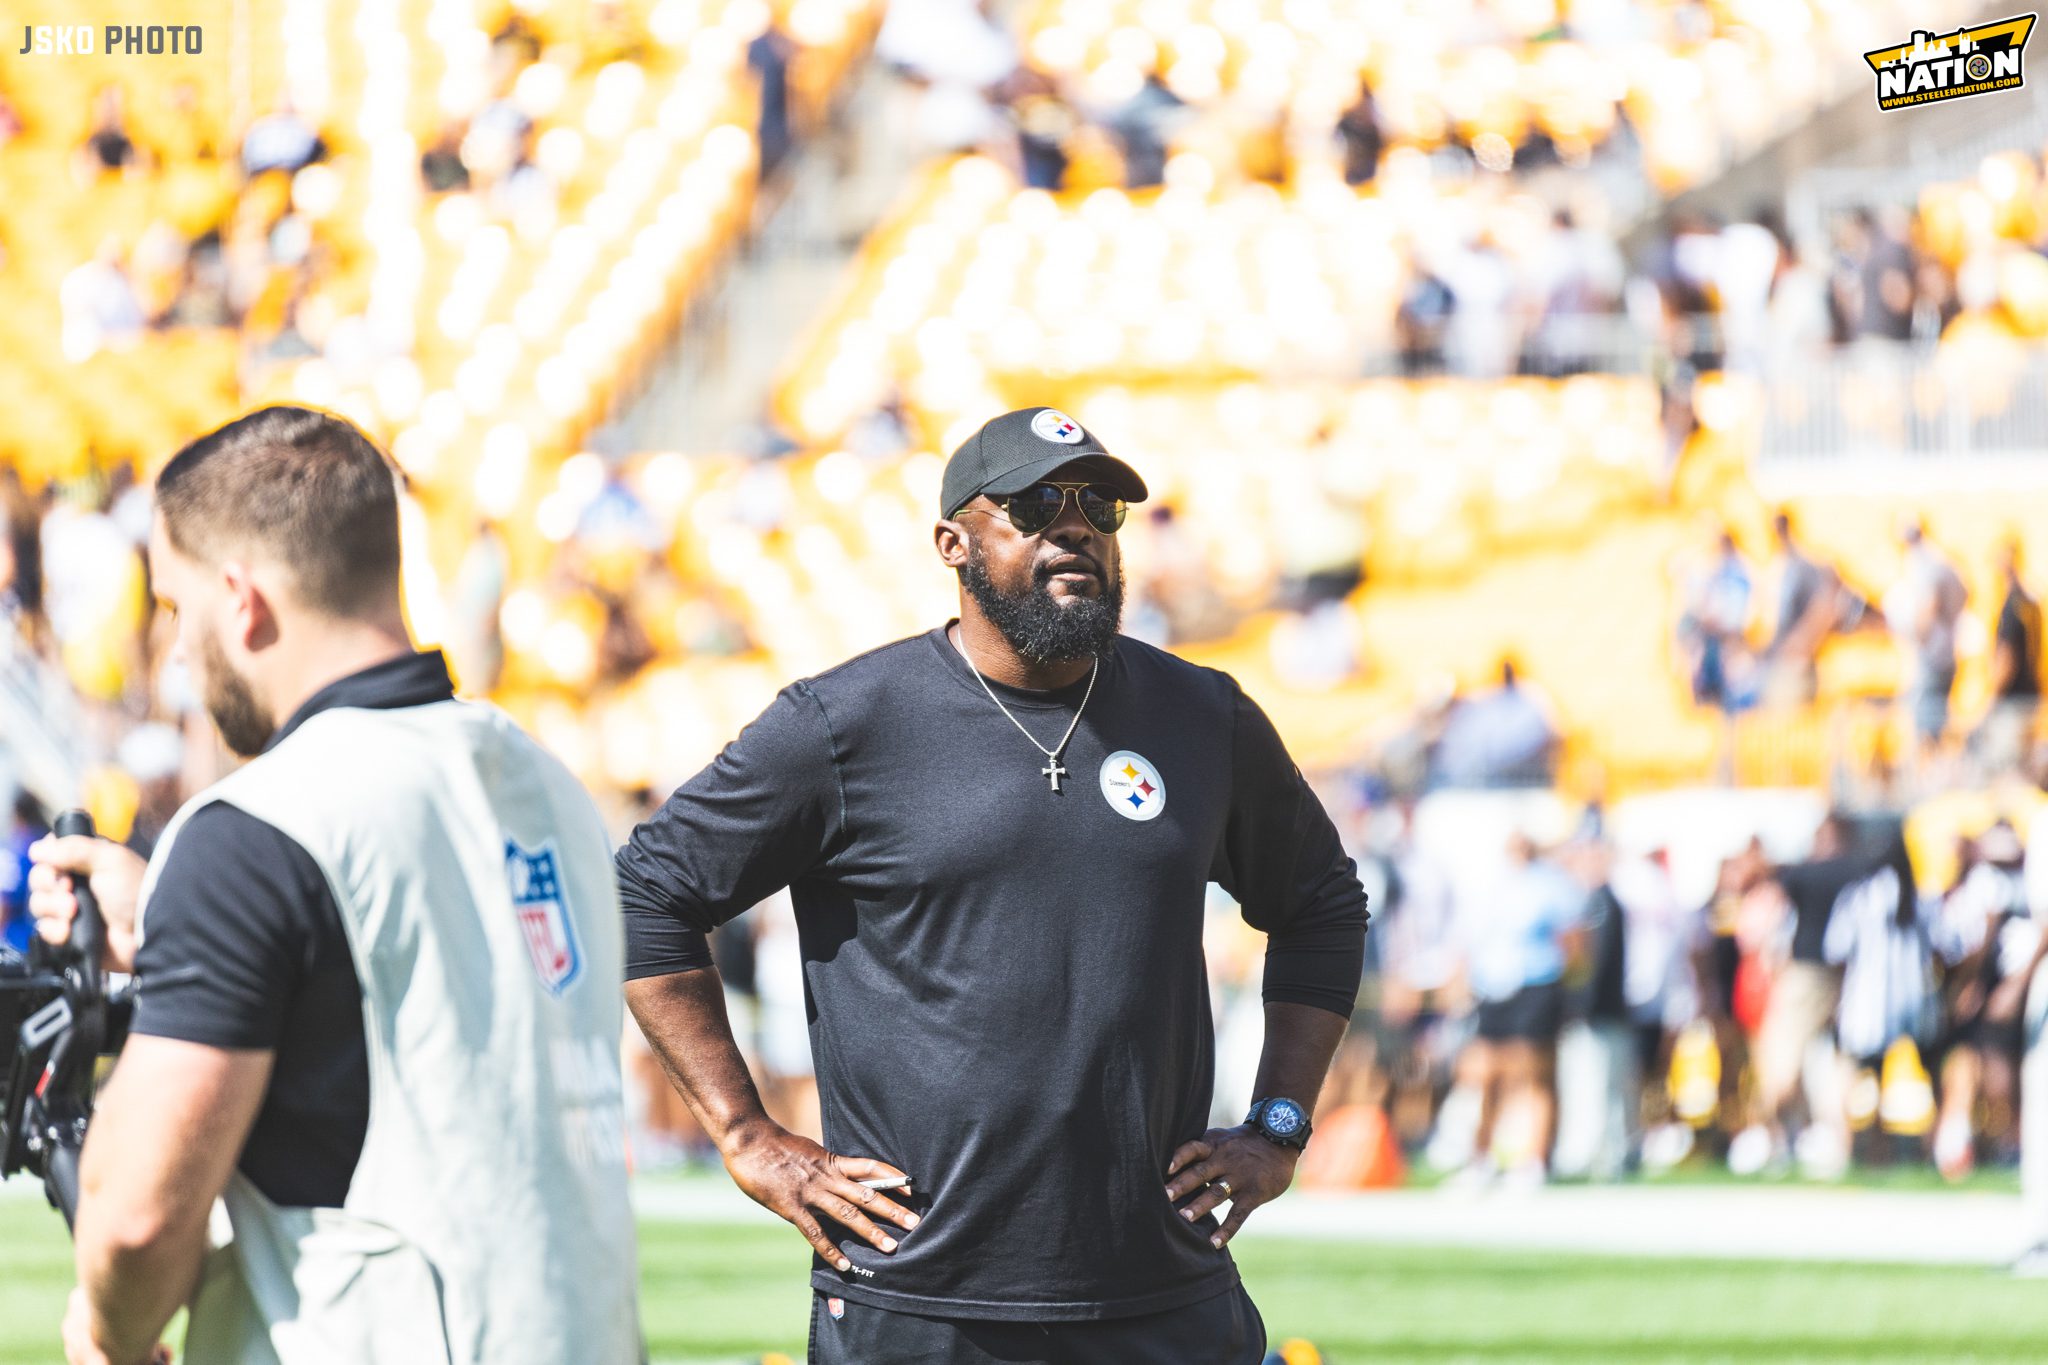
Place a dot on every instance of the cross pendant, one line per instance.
(1053, 772)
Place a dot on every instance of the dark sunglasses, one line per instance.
(1040, 505)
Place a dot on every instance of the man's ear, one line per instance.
(951, 539)
(252, 623)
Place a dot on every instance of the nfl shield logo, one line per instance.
(536, 881)
(836, 1307)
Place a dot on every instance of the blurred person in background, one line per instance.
(782, 1039)
(2004, 737)
(282, 140)
(1985, 936)
(1887, 267)
(1879, 937)
(1480, 338)
(1806, 612)
(1713, 629)
(27, 822)
(153, 756)
(21, 561)
(101, 308)
(1801, 986)
(476, 644)
(1730, 997)
(1422, 321)
(1519, 941)
(956, 54)
(108, 149)
(2023, 996)
(1044, 121)
(1362, 138)
(1580, 275)
(1504, 737)
(441, 168)
(1935, 302)
(1798, 320)
(1746, 270)
(769, 56)
(1144, 127)
(1658, 982)
(1422, 993)
(1922, 609)
(1687, 278)
(1605, 1105)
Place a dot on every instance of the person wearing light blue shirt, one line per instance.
(1520, 944)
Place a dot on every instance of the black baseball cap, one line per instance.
(1016, 450)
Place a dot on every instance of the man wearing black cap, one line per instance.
(998, 837)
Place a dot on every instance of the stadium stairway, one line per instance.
(833, 189)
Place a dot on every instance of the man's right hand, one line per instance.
(112, 871)
(797, 1180)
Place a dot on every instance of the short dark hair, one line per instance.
(308, 487)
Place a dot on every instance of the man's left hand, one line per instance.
(1234, 1164)
(81, 1349)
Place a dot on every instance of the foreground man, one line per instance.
(379, 1011)
(997, 836)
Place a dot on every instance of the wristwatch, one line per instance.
(1280, 1121)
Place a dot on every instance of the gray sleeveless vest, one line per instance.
(487, 1222)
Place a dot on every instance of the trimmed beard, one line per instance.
(245, 727)
(1042, 629)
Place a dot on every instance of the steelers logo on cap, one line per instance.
(1054, 425)
(1132, 786)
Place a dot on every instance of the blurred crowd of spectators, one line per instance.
(1751, 636)
(245, 268)
(1581, 1008)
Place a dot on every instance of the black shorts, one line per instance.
(1224, 1330)
(1533, 1014)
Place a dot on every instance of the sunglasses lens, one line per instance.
(1103, 508)
(1036, 508)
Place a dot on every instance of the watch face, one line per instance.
(1283, 1118)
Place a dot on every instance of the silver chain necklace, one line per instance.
(1053, 770)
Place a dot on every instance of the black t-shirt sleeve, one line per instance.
(230, 933)
(758, 818)
(1286, 866)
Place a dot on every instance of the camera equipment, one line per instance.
(55, 1009)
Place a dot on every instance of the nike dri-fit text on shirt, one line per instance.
(1006, 983)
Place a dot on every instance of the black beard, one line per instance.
(1039, 627)
(245, 727)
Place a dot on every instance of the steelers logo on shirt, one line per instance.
(1132, 786)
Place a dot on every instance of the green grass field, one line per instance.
(728, 1293)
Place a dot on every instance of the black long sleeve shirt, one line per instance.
(1007, 988)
